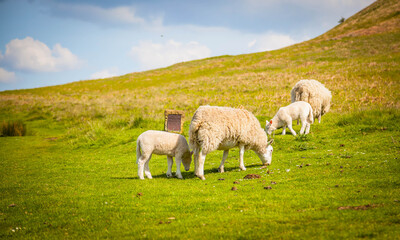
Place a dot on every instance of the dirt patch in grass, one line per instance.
(362, 207)
(252, 176)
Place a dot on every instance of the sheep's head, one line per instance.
(186, 160)
(269, 128)
(266, 157)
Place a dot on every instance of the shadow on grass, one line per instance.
(190, 174)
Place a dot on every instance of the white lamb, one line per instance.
(315, 93)
(285, 115)
(223, 128)
(162, 143)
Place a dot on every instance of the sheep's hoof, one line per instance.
(169, 175)
(202, 177)
(243, 169)
(179, 176)
(221, 170)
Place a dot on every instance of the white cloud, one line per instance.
(270, 41)
(114, 16)
(106, 73)
(6, 77)
(34, 56)
(153, 55)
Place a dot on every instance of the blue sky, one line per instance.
(51, 42)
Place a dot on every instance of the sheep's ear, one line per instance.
(270, 141)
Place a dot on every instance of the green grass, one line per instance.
(64, 191)
(74, 174)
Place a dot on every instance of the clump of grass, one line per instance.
(12, 128)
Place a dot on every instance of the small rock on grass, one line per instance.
(12, 205)
(236, 182)
(268, 187)
(234, 188)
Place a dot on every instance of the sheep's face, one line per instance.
(186, 160)
(325, 110)
(268, 128)
(266, 158)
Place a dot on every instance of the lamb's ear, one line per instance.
(270, 141)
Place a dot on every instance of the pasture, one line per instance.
(74, 174)
(341, 181)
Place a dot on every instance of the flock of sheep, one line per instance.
(222, 128)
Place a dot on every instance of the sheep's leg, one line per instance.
(147, 169)
(291, 129)
(170, 163)
(308, 128)
(319, 119)
(284, 130)
(221, 166)
(303, 125)
(141, 164)
(241, 153)
(202, 158)
(196, 160)
(178, 167)
(140, 168)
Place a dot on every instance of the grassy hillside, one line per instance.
(74, 174)
(362, 71)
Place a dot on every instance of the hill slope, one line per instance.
(358, 61)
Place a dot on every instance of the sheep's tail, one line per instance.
(293, 95)
(310, 115)
(196, 147)
(138, 153)
(193, 129)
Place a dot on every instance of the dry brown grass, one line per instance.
(361, 71)
(12, 128)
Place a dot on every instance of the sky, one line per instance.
(52, 42)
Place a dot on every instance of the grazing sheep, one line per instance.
(162, 143)
(222, 128)
(285, 115)
(315, 93)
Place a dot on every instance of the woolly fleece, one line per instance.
(315, 93)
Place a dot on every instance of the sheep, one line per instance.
(315, 93)
(222, 128)
(285, 115)
(162, 143)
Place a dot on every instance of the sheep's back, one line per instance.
(212, 126)
(313, 92)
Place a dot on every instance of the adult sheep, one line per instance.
(222, 128)
(315, 93)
